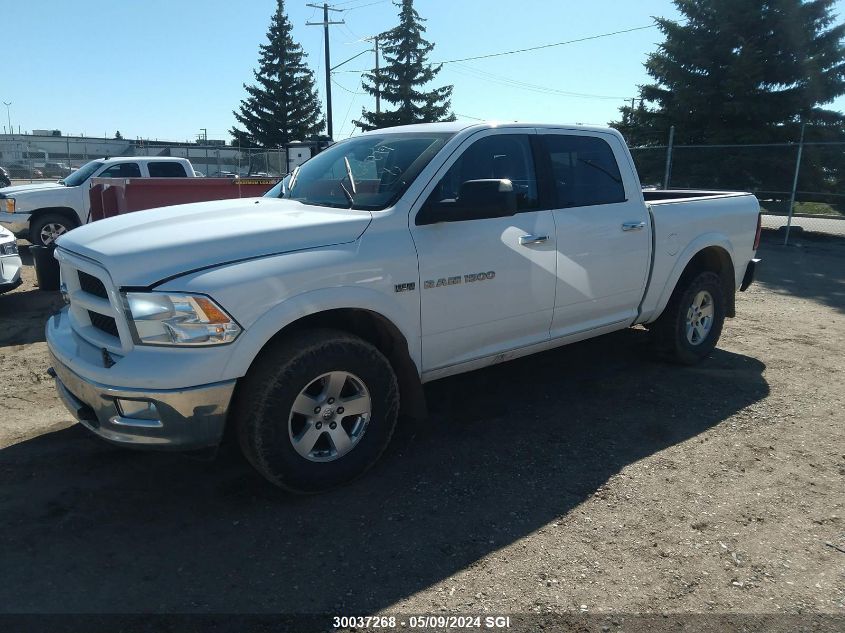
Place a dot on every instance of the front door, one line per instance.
(487, 285)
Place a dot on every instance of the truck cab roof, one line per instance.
(460, 126)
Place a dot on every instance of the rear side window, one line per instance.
(167, 170)
(122, 170)
(585, 171)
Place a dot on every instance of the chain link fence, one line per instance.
(27, 161)
(801, 186)
(217, 161)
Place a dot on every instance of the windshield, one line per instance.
(82, 174)
(369, 172)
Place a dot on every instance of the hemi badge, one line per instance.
(405, 287)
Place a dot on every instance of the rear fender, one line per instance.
(693, 248)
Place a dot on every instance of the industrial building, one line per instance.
(207, 156)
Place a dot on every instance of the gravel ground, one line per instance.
(586, 479)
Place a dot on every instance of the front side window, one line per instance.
(122, 170)
(166, 170)
(496, 157)
(585, 171)
(82, 174)
(368, 172)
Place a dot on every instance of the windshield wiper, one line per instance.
(286, 190)
(349, 175)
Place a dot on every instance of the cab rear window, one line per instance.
(167, 170)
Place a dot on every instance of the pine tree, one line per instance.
(282, 106)
(741, 71)
(404, 74)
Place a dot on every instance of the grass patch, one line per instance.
(781, 207)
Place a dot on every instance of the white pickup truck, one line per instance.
(41, 212)
(391, 259)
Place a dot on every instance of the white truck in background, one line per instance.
(41, 212)
(10, 262)
(391, 259)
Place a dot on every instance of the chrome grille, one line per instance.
(95, 312)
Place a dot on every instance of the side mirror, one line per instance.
(477, 199)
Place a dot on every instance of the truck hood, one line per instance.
(36, 186)
(145, 247)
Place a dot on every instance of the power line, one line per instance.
(361, 6)
(466, 116)
(342, 87)
(530, 48)
(537, 48)
(487, 76)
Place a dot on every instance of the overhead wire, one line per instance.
(513, 83)
(532, 48)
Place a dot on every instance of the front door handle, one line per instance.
(633, 226)
(528, 240)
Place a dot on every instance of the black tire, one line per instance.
(46, 219)
(669, 332)
(264, 400)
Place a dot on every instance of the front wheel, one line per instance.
(316, 410)
(47, 228)
(691, 324)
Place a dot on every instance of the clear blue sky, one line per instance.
(166, 68)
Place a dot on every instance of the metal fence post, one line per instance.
(668, 173)
(794, 184)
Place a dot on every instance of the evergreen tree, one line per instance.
(404, 74)
(282, 106)
(740, 71)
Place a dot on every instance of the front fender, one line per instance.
(256, 336)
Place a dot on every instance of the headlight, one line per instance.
(178, 319)
(9, 248)
(9, 205)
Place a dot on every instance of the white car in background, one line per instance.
(10, 262)
(40, 212)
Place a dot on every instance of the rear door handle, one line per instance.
(633, 226)
(528, 240)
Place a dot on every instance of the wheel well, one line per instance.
(384, 336)
(65, 212)
(717, 260)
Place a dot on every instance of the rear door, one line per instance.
(486, 284)
(602, 230)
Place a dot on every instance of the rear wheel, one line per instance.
(316, 410)
(691, 324)
(47, 228)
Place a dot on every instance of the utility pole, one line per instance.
(8, 116)
(378, 86)
(325, 24)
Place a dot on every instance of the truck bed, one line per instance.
(682, 221)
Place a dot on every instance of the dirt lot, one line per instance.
(584, 479)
